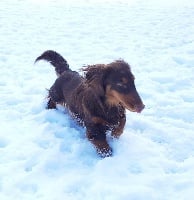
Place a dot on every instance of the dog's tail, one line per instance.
(56, 60)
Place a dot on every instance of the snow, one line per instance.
(43, 153)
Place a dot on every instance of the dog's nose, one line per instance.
(139, 108)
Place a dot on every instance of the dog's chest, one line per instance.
(113, 115)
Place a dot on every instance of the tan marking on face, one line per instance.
(129, 101)
(125, 100)
(110, 97)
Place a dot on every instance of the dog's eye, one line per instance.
(121, 84)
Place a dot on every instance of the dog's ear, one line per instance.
(94, 75)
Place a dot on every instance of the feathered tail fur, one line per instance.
(56, 60)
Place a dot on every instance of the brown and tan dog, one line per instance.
(98, 99)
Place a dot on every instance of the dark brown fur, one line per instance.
(98, 99)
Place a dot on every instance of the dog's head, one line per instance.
(116, 82)
(120, 87)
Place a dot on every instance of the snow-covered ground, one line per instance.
(44, 155)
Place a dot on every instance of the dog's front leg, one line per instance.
(118, 130)
(96, 133)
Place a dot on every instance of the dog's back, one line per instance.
(64, 86)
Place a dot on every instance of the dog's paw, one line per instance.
(105, 152)
(102, 147)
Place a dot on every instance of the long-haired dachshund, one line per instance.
(97, 100)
